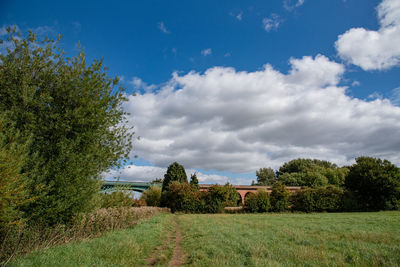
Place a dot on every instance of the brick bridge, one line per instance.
(244, 190)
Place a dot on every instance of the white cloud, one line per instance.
(272, 22)
(374, 50)
(289, 5)
(239, 16)
(139, 84)
(395, 96)
(162, 27)
(226, 120)
(206, 52)
(355, 83)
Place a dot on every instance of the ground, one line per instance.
(361, 239)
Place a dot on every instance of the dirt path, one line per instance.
(177, 256)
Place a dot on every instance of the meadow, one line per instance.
(269, 239)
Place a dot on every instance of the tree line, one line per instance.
(370, 184)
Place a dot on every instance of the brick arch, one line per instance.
(243, 190)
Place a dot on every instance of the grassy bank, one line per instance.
(362, 239)
(128, 247)
(19, 241)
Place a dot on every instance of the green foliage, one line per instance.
(328, 198)
(119, 198)
(152, 196)
(233, 197)
(375, 183)
(216, 199)
(175, 172)
(194, 181)
(265, 176)
(279, 197)
(257, 202)
(182, 197)
(14, 192)
(72, 113)
(311, 172)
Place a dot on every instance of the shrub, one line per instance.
(152, 196)
(217, 198)
(279, 197)
(328, 198)
(182, 197)
(117, 199)
(257, 202)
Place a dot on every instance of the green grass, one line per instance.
(325, 239)
(129, 247)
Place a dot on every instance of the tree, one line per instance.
(265, 176)
(72, 113)
(279, 197)
(375, 182)
(311, 172)
(194, 181)
(14, 193)
(175, 172)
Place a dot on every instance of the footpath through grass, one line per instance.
(129, 247)
(361, 239)
(344, 239)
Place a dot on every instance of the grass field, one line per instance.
(352, 239)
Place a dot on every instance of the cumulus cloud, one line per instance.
(272, 22)
(150, 173)
(206, 52)
(162, 27)
(226, 120)
(289, 5)
(374, 50)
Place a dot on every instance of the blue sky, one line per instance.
(208, 44)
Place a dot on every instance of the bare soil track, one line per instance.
(178, 257)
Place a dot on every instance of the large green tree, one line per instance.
(72, 113)
(311, 172)
(375, 182)
(265, 176)
(175, 172)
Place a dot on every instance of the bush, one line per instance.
(119, 198)
(279, 197)
(152, 196)
(182, 197)
(257, 202)
(218, 197)
(328, 199)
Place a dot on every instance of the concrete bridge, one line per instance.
(243, 190)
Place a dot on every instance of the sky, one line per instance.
(228, 87)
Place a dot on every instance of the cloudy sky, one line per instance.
(228, 88)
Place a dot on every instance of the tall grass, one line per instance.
(86, 225)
